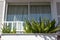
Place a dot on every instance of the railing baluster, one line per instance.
(12, 26)
(21, 26)
(7, 23)
(17, 24)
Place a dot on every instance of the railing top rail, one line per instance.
(13, 22)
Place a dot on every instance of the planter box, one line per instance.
(29, 37)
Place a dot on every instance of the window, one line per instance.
(20, 12)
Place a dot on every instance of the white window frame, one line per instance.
(54, 10)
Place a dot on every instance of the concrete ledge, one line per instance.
(29, 34)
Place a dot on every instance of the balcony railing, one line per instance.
(17, 24)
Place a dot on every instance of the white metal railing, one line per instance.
(17, 24)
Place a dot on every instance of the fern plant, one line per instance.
(40, 27)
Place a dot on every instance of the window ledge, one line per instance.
(29, 34)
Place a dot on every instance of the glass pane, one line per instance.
(37, 11)
(58, 8)
(58, 20)
(17, 12)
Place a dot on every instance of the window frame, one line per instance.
(28, 4)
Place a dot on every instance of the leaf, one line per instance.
(27, 27)
(55, 30)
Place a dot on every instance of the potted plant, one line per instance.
(7, 29)
(46, 27)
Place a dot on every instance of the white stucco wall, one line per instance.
(29, 37)
(54, 10)
(28, 0)
(2, 8)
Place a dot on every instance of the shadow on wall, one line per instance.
(58, 37)
(47, 37)
(0, 37)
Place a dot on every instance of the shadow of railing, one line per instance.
(47, 37)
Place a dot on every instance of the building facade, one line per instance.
(14, 12)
